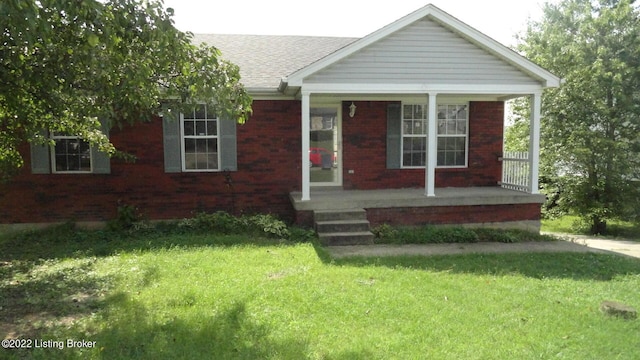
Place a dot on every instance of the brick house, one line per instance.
(405, 123)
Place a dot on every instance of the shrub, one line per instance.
(127, 216)
(219, 222)
(298, 234)
(384, 231)
(267, 224)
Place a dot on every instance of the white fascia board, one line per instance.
(348, 88)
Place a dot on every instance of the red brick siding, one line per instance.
(365, 142)
(454, 214)
(268, 169)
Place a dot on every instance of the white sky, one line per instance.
(499, 19)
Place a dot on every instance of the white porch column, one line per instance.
(306, 130)
(534, 143)
(432, 147)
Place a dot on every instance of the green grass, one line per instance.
(570, 224)
(201, 297)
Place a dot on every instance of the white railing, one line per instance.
(515, 171)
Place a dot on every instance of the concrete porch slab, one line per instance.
(337, 199)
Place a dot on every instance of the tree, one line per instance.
(66, 64)
(590, 142)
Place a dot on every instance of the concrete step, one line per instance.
(332, 215)
(346, 238)
(342, 226)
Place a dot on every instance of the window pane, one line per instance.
(201, 145)
(462, 127)
(190, 161)
(189, 146)
(418, 112)
(420, 127)
(212, 145)
(407, 112)
(452, 112)
(451, 127)
(201, 161)
(408, 127)
(442, 112)
(212, 127)
(462, 112)
(201, 128)
(213, 161)
(459, 158)
(189, 128)
(201, 111)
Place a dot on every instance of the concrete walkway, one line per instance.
(570, 243)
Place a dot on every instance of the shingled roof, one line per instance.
(265, 59)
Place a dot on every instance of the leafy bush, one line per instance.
(298, 234)
(267, 224)
(384, 231)
(127, 216)
(218, 222)
(430, 234)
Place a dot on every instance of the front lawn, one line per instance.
(197, 296)
(570, 224)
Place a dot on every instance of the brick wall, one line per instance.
(268, 169)
(364, 150)
(454, 214)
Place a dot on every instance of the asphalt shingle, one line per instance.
(265, 59)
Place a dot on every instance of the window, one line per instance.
(452, 135)
(200, 140)
(71, 154)
(414, 140)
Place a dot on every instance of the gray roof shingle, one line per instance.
(265, 59)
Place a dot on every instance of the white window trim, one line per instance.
(403, 135)
(466, 136)
(52, 153)
(182, 146)
(466, 139)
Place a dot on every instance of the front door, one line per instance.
(325, 146)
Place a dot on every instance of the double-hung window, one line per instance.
(452, 135)
(414, 131)
(453, 124)
(200, 140)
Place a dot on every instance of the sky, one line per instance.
(499, 19)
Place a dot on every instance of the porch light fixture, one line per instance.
(352, 109)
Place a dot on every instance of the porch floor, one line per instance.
(338, 199)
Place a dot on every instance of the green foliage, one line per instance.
(590, 154)
(127, 218)
(430, 234)
(224, 223)
(283, 302)
(66, 64)
(218, 222)
(384, 231)
(266, 224)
